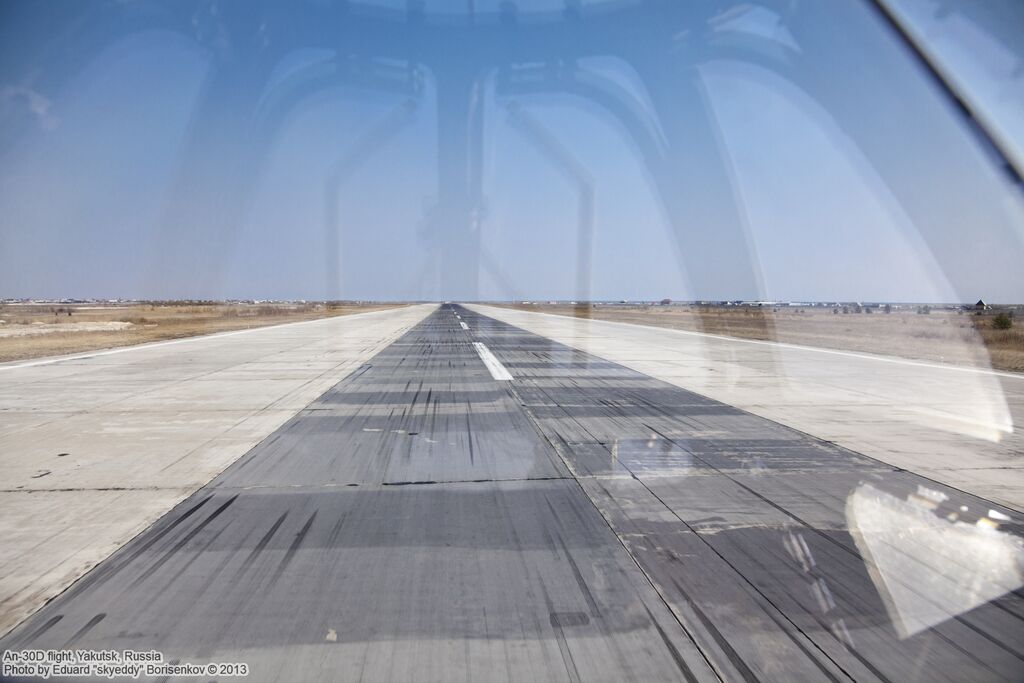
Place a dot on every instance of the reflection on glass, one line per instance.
(930, 568)
(708, 150)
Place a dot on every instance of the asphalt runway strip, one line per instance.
(577, 520)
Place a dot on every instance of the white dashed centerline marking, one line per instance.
(464, 326)
(495, 367)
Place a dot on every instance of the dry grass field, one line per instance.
(36, 330)
(946, 336)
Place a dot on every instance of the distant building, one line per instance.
(666, 302)
(981, 305)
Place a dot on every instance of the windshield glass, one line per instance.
(740, 283)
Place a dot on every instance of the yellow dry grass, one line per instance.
(149, 322)
(961, 338)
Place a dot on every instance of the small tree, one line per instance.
(1002, 322)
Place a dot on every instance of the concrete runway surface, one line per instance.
(427, 520)
(96, 447)
(952, 423)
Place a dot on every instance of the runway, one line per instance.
(477, 502)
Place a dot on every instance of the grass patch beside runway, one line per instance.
(961, 338)
(38, 330)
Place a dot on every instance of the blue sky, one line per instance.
(142, 166)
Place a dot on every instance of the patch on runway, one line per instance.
(563, 619)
